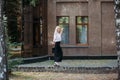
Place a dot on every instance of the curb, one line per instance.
(94, 70)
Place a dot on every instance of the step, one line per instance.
(82, 66)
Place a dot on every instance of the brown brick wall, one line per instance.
(101, 29)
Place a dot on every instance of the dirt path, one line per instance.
(60, 76)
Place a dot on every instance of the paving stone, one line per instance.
(83, 66)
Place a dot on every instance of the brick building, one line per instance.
(89, 28)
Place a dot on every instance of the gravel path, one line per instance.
(60, 76)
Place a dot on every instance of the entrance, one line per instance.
(35, 30)
(40, 29)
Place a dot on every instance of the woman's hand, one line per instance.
(53, 43)
(62, 30)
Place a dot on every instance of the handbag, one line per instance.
(53, 50)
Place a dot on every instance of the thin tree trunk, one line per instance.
(3, 70)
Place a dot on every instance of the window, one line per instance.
(64, 23)
(37, 32)
(81, 29)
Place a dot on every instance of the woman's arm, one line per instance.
(61, 31)
(54, 37)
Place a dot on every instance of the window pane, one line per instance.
(82, 34)
(62, 20)
(82, 19)
(65, 34)
(64, 23)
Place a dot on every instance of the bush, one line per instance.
(11, 62)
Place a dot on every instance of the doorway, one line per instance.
(40, 29)
(35, 30)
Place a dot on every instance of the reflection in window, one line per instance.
(82, 27)
(64, 23)
(41, 26)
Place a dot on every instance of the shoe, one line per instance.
(56, 64)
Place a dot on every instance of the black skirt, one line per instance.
(58, 52)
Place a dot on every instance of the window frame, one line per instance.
(57, 23)
(76, 45)
(80, 44)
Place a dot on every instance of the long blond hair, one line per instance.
(55, 32)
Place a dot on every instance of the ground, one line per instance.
(110, 63)
(61, 76)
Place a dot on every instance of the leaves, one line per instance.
(13, 62)
(33, 3)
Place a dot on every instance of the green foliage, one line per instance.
(63, 20)
(12, 28)
(12, 7)
(31, 2)
(12, 11)
(82, 19)
(11, 62)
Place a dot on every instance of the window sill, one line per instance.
(74, 46)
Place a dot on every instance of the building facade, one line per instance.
(88, 25)
(89, 28)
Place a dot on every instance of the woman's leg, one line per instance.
(58, 53)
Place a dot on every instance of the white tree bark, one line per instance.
(117, 24)
(3, 70)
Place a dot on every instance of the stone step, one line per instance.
(82, 66)
(68, 69)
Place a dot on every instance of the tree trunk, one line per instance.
(3, 70)
(117, 24)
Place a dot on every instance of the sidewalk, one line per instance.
(75, 63)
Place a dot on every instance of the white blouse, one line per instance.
(57, 37)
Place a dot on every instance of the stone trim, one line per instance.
(94, 70)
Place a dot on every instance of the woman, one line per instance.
(56, 40)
